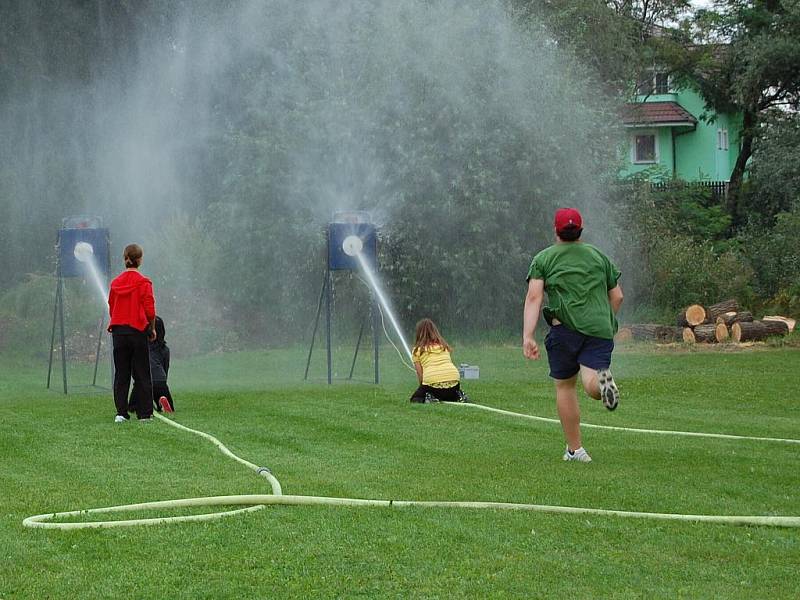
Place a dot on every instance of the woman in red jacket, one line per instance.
(133, 313)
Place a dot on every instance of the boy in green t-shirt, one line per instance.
(583, 297)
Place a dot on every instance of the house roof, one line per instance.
(656, 114)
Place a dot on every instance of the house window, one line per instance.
(661, 83)
(722, 139)
(645, 85)
(653, 82)
(644, 148)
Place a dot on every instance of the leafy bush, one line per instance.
(785, 302)
(685, 272)
(774, 185)
(26, 316)
(774, 255)
(675, 251)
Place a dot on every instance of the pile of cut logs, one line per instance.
(717, 323)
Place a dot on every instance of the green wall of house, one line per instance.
(662, 168)
(699, 156)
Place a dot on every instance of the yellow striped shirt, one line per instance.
(437, 366)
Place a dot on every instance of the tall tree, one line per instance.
(650, 15)
(616, 39)
(746, 59)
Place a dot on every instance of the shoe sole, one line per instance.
(609, 393)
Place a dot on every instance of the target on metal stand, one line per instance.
(82, 250)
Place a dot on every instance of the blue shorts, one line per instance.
(568, 349)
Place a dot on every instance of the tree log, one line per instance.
(715, 310)
(653, 332)
(668, 333)
(790, 323)
(744, 332)
(729, 318)
(688, 335)
(776, 327)
(707, 333)
(643, 331)
(691, 316)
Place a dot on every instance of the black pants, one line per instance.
(160, 388)
(132, 358)
(443, 394)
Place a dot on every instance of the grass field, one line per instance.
(364, 441)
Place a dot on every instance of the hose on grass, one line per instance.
(263, 471)
(254, 502)
(723, 436)
(257, 502)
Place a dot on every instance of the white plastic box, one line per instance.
(468, 371)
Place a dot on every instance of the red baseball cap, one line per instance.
(566, 217)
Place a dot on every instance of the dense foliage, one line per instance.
(682, 249)
(224, 137)
(744, 56)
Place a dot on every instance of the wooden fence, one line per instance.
(719, 189)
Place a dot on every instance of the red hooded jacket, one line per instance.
(131, 301)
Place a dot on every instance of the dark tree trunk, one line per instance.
(737, 175)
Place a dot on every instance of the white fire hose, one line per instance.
(254, 502)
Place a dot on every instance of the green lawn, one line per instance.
(364, 441)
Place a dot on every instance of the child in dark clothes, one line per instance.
(159, 370)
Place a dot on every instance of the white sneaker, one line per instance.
(580, 455)
(609, 393)
(120, 419)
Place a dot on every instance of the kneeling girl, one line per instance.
(438, 376)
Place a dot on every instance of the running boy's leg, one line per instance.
(563, 347)
(589, 380)
(595, 363)
(568, 410)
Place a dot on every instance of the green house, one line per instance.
(667, 138)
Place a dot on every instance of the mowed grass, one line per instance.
(359, 440)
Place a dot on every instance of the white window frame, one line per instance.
(643, 132)
(722, 139)
(656, 73)
(653, 83)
